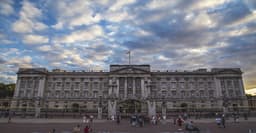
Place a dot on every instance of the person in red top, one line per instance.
(180, 121)
(86, 129)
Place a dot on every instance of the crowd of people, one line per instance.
(182, 122)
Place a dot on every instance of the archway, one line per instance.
(75, 107)
(184, 107)
(129, 106)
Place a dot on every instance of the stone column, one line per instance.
(133, 86)
(100, 108)
(217, 87)
(110, 87)
(111, 108)
(151, 108)
(99, 112)
(40, 94)
(17, 88)
(241, 87)
(142, 88)
(117, 87)
(164, 109)
(41, 87)
(125, 87)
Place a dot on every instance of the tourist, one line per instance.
(223, 121)
(91, 118)
(180, 122)
(153, 120)
(218, 121)
(191, 127)
(245, 116)
(174, 120)
(53, 131)
(118, 119)
(141, 121)
(76, 129)
(84, 119)
(86, 129)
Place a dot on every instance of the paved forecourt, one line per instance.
(104, 126)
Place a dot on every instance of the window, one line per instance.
(174, 85)
(222, 84)
(231, 93)
(238, 93)
(77, 86)
(201, 93)
(182, 93)
(182, 86)
(67, 85)
(164, 93)
(174, 93)
(209, 84)
(211, 93)
(191, 85)
(22, 83)
(229, 84)
(236, 84)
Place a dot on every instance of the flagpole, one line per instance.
(129, 57)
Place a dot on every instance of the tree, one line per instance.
(6, 90)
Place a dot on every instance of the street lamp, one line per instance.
(225, 103)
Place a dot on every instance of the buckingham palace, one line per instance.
(128, 89)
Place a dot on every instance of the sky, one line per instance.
(92, 34)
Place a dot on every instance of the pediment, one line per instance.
(130, 70)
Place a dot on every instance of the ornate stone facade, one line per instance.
(113, 92)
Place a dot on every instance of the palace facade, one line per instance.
(128, 89)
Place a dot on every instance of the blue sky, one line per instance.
(91, 34)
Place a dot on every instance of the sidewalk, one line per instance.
(70, 120)
(45, 121)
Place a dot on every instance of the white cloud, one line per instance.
(160, 4)
(203, 20)
(81, 35)
(205, 4)
(80, 14)
(45, 48)
(119, 4)
(28, 19)
(6, 7)
(251, 91)
(34, 39)
(117, 16)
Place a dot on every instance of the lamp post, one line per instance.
(100, 108)
(37, 113)
(225, 104)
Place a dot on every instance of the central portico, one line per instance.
(130, 85)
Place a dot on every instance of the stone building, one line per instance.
(128, 89)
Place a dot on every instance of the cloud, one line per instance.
(45, 48)
(81, 35)
(35, 39)
(81, 14)
(28, 19)
(6, 7)
(251, 91)
(120, 4)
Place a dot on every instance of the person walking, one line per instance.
(86, 129)
(118, 119)
(53, 131)
(223, 121)
(180, 122)
(76, 129)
